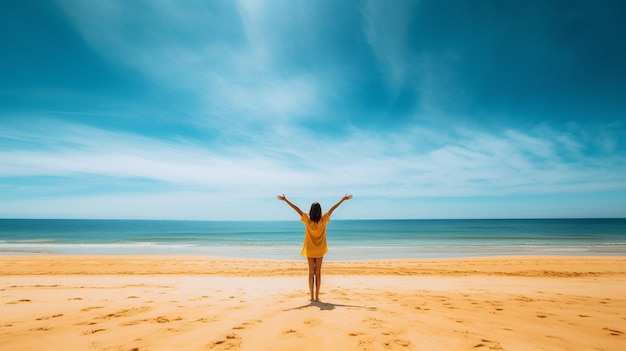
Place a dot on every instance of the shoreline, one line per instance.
(148, 302)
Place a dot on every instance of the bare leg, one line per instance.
(311, 262)
(318, 277)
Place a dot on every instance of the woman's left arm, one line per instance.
(346, 197)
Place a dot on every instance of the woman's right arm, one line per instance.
(284, 198)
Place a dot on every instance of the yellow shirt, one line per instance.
(314, 236)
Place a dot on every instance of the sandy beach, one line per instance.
(197, 303)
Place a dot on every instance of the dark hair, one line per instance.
(315, 213)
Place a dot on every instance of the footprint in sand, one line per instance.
(135, 322)
(125, 313)
(18, 301)
(313, 322)
(401, 342)
(89, 332)
(232, 341)
(493, 345)
(208, 320)
(613, 332)
(162, 319)
(374, 323)
(199, 298)
(290, 333)
(252, 322)
(50, 317)
(87, 309)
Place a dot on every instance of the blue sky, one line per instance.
(209, 109)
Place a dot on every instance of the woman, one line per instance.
(314, 247)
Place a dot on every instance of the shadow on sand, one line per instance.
(327, 306)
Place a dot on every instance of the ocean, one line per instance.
(347, 239)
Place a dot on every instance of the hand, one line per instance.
(347, 197)
(281, 197)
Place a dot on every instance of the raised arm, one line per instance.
(284, 198)
(346, 197)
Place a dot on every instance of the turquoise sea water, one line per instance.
(347, 239)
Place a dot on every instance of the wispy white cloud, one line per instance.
(222, 62)
(469, 164)
(75, 149)
(387, 30)
(410, 66)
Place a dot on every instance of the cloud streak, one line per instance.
(462, 165)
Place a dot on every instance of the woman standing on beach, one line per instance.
(314, 247)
